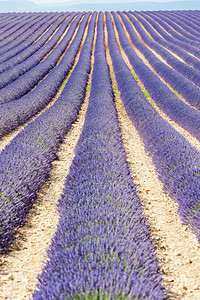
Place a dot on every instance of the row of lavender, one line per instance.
(167, 34)
(26, 37)
(176, 161)
(166, 41)
(33, 67)
(24, 84)
(17, 112)
(9, 32)
(170, 59)
(182, 30)
(170, 103)
(163, 38)
(188, 90)
(15, 55)
(26, 161)
(102, 247)
(183, 78)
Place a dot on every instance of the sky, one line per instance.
(93, 1)
(80, 5)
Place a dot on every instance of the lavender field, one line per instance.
(109, 102)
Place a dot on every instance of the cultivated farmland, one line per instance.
(99, 155)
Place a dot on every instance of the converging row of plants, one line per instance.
(102, 247)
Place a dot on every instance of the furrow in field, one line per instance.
(28, 38)
(138, 52)
(177, 247)
(185, 38)
(165, 98)
(160, 28)
(12, 29)
(17, 71)
(149, 35)
(22, 266)
(4, 141)
(141, 55)
(176, 28)
(16, 32)
(30, 44)
(49, 28)
(48, 132)
(181, 25)
(62, 36)
(100, 254)
(191, 139)
(185, 69)
(21, 85)
(146, 18)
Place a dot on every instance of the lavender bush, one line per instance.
(16, 28)
(23, 64)
(173, 32)
(15, 113)
(187, 29)
(171, 77)
(176, 161)
(170, 103)
(102, 247)
(167, 43)
(16, 53)
(24, 38)
(26, 161)
(29, 80)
